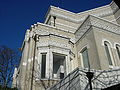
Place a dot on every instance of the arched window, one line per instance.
(108, 52)
(118, 50)
(85, 58)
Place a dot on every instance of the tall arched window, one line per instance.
(108, 52)
(85, 58)
(118, 50)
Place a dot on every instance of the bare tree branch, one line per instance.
(8, 61)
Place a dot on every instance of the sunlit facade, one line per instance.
(67, 40)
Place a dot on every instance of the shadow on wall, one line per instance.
(115, 87)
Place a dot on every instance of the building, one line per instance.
(67, 40)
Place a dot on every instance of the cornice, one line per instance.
(103, 11)
(97, 22)
(52, 47)
(49, 26)
(68, 26)
(79, 20)
(114, 7)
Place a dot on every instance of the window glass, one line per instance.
(43, 66)
(118, 50)
(108, 53)
(58, 66)
(85, 58)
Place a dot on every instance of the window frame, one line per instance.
(117, 46)
(41, 65)
(110, 53)
(81, 57)
(64, 64)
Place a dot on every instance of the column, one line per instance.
(67, 59)
(51, 64)
(47, 64)
(29, 65)
(39, 63)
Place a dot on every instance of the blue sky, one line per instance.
(18, 15)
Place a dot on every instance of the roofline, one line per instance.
(64, 10)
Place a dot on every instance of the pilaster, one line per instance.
(29, 63)
(47, 64)
(24, 64)
(51, 64)
(67, 59)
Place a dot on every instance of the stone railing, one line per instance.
(77, 80)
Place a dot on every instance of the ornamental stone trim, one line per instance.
(102, 13)
(98, 22)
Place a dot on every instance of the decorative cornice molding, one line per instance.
(102, 13)
(53, 43)
(53, 49)
(82, 29)
(49, 26)
(98, 22)
(114, 7)
(65, 17)
(68, 26)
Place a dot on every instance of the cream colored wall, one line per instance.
(57, 10)
(88, 41)
(65, 25)
(101, 35)
(69, 21)
(54, 30)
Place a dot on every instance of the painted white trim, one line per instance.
(80, 54)
(110, 51)
(116, 44)
(85, 46)
(106, 40)
(81, 59)
(116, 49)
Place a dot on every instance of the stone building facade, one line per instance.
(65, 41)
